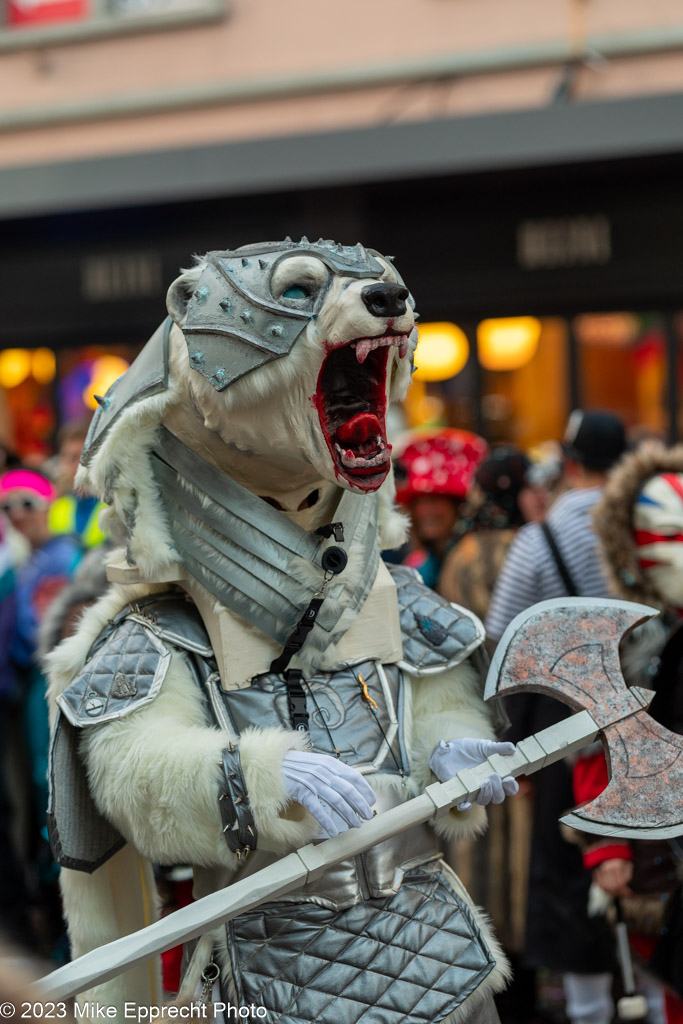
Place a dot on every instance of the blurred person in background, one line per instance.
(508, 491)
(433, 476)
(14, 918)
(25, 498)
(71, 512)
(639, 521)
(556, 559)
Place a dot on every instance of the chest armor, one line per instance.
(388, 931)
(355, 713)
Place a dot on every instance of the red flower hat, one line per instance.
(439, 463)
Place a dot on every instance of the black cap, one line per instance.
(594, 438)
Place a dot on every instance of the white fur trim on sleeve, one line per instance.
(156, 775)
(446, 707)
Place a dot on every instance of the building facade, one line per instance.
(518, 160)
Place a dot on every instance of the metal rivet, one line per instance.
(201, 294)
(246, 316)
(226, 304)
(276, 331)
(263, 265)
(94, 705)
(246, 262)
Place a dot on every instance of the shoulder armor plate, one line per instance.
(436, 635)
(125, 673)
(175, 619)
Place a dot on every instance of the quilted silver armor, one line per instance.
(125, 670)
(408, 959)
(384, 936)
(436, 635)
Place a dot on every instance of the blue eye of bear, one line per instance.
(296, 292)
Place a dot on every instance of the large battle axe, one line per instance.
(565, 648)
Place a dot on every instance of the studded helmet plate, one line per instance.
(233, 322)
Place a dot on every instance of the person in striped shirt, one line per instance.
(553, 560)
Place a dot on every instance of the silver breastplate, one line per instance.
(356, 713)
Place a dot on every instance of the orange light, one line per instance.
(15, 366)
(618, 330)
(43, 365)
(442, 351)
(105, 371)
(508, 344)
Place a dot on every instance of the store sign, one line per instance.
(114, 277)
(41, 12)
(551, 242)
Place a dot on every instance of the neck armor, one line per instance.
(234, 324)
(252, 558)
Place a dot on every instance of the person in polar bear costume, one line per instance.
(256, 677)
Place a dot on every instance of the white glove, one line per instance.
(335, 794)
(449, 758)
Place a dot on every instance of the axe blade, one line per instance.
(569, 649)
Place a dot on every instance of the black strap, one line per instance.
(564, 572)
(296, 696)
(298, 637)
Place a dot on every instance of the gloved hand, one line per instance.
(335, 794)
(449, 758)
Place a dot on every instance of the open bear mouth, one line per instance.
(351, 403)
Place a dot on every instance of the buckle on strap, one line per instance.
(296, 699)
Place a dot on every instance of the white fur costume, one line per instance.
(154, 773)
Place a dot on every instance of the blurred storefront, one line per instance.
(519, 160)
(561, 283)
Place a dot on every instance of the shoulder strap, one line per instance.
(564, 572)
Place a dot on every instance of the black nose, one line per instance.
(385, 300)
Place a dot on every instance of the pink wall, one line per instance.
(267, 38)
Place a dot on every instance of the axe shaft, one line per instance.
(307, 864)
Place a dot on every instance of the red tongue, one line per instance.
(359, 428)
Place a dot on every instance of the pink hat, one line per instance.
(27, 480)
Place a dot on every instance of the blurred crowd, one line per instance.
(46, 529)
(594, 514)
(494, 529)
